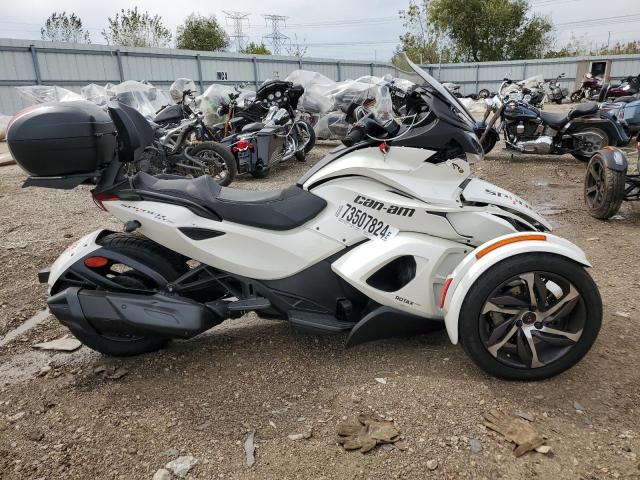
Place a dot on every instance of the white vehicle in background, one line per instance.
(386, 236)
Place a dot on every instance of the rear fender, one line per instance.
(72, 259)
(606, 122)
(78, 249)
(471, 268)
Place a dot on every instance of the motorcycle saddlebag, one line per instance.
(69, 138)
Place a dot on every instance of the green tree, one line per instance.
(490, 30)
(132, 28)
(421, 40)
(201, 33)
(256, 49)
(61, 27)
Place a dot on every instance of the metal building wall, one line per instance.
(476, 76)
(24, 62)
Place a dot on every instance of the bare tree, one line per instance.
(61, 27)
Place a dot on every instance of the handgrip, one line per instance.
(355, 135)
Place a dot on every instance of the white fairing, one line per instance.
(76, 250)
(485, 192)
(403, 168)
(470, 269)
(434, 257)
(379, 206)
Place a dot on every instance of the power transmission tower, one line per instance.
(276, 38)
(238, 20)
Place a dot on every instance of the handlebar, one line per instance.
(356, 135)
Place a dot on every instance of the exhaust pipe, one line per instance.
(92, 311)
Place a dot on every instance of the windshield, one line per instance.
(437, 86)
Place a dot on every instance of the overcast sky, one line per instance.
(356, 29)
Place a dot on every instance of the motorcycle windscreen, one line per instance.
(441, 90)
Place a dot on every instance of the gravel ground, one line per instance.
(67, 416)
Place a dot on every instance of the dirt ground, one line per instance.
(64, 416)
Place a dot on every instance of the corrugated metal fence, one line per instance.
(72, 66)
(475, 76)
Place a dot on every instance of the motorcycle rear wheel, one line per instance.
(168, 264)
(221, 164)
(600, 139)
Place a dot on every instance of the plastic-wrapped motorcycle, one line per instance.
(386, 236)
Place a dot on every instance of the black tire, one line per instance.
(264, 173)
(223, 155)
(471, 319)
(301, 156)
(603, 188)
(576, 96)
(312, 140)
(167, 263)
(586, 156)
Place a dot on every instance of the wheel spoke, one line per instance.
(569, 300)
(493, 349)
(541, 288)
(574, 337)
(492, 307)
(498, 332)
(530, 281)
(590, 190)
(509, 301)
(535, 361)
(523, 350)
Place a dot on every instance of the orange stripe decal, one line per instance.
(507, 241)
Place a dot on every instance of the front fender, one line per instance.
(614, 159)
(472, 267)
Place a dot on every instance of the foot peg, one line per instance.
(258, 303)
(318, 323)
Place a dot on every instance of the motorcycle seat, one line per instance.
(559, 120)
(626, 99)
(253, 127)
(554, 120)
(582, 110)
(273, 210)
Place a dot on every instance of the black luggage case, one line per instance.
(62, 139)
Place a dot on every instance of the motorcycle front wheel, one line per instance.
(603, 189)
(530, 317)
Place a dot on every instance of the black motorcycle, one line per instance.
(582, 132)
(172, 115)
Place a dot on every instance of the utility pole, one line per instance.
(276, 38)
(238, 20)
(609, 40)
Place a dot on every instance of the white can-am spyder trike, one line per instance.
(385, 236)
